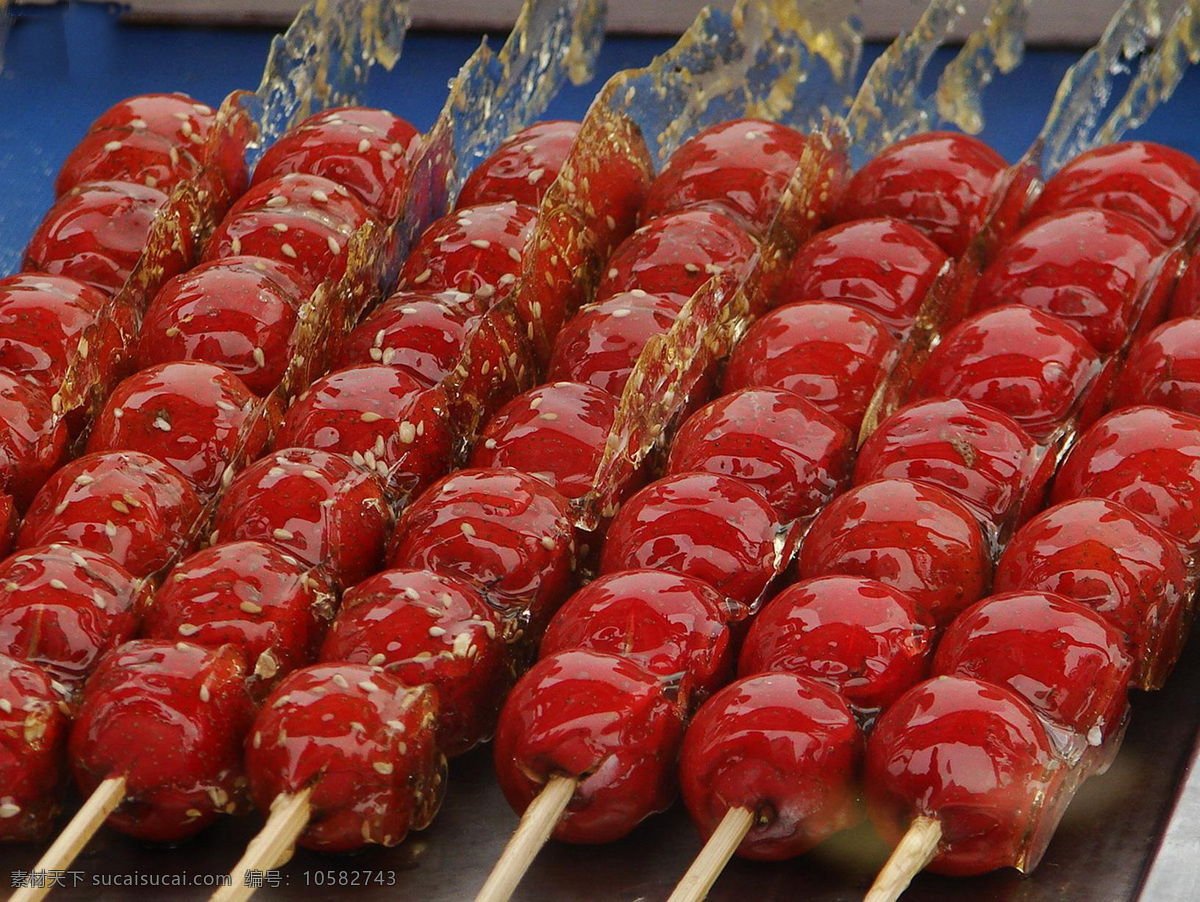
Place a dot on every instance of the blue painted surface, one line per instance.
(64, 65)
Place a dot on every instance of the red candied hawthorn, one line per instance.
(601, 344)
(940, 182)
(1103, 555)
(781, 746)
(421, 333)
(738, 168)
(189, 414)
(883, 266)
(8, 522)
(912, 537)
(706, 526)
(32, 441)
(555, 433)
(1146, 458)
(302, 220)
(126, 155)
(428, 629)
(176, 116)
(1156, 185)
(33, 734)
(362, 741)
(674, 255)
(127, 505)
(1028, 364)
(831, 354)
(995, 790)
(523, 167)
(1062, 657)
(476, 250)
(62, 607)
(365, 150)
(170, 717)
(974, 452)
(248, 594)
(1163, 368)
(674, 626)
(773, 441)
(1097, 270)
(858, 636)
(381, 418)
(42, 319)
(602, 720)
(506, 533)
(313, 505)
(239, 313)
(96, 233)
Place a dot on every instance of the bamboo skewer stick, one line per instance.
(716, 853)
(271, 847)
(916, 849)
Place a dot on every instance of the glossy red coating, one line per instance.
(421, 333)
(1159, 186)
(555, 433)
(702, 525)
(1096, 269)
(365, 744)
(1163, 368)
(126, 505)
(599, 718)
(1063, 658)
(858, 636)
(42, 319)
(883, 266)
(9, 521)
(248, 594)
(33, 441)
(62, 607)
(127, 155)
(1028, 364)
(365, 150)
(974, 757)
(600, 345)
(380, 417)
(1103, 555)
(428, 629)
(738, 168)
(1185, 300)
(771, 440)
(782, 746)
(96, 232)
(506, 533)
(832, 354)
(674, 626)
(523, 167)
(32, 761)
(189, 414)
(675, 254)
(1147, 458)
(974, 452)
(313, 505)
(302, 220)
(476, 250)
(176, 116)
(940, 182)
(239, 313)
(913, 537)
(171, 718)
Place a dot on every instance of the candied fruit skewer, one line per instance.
(341, 755)
(155, 717)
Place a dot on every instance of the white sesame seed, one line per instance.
(369, 416)
(422, 277)
(334, 247)
(288, 250)
(187, 629)
(277, 201)
(467, 529)
(112, 145)
(58, 584)
(382, 767)
(161, 423)
(283, 535)
(250, 607)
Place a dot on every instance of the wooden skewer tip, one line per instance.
(916, 849)
(716, 853)
(75, 836)
(271, 847)
(537, 823)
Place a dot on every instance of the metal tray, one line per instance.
(1131, 834)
